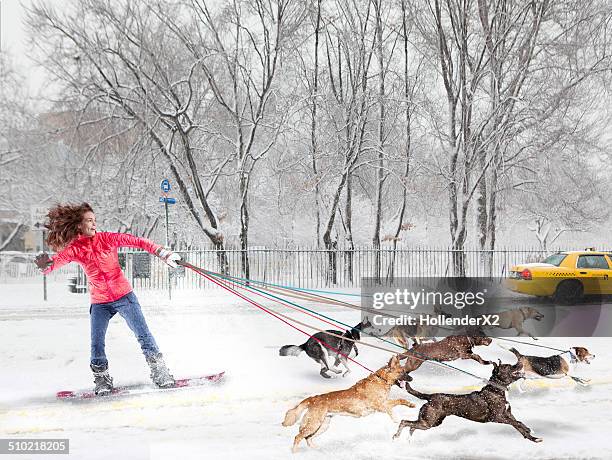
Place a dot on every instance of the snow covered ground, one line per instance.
(45, 348)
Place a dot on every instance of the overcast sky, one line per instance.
(13, 35)
(13, 41)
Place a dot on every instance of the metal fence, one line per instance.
(311, 267)
(308, 267)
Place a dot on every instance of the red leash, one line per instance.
(199, 272)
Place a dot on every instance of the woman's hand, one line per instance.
(171, 258)
(43, 261)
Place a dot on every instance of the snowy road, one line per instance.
(45, 348)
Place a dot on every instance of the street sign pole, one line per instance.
(168, 246)
(38, 215)
(165, 187)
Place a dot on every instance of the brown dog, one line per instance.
(487, 405)
(367, 396)
(448, 349)
(402, 334)
(418, 333)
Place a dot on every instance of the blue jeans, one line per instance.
(129, 309)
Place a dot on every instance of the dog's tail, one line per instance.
(294, 414)
(291, 350)
(512, 350)
(515, 352)
(418, 394)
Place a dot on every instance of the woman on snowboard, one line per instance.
(73, 235)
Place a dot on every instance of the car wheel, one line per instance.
(568, 292)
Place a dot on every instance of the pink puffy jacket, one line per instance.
(98, 257)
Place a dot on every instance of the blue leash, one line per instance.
(416, 353)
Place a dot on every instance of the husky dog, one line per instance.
(322, 347)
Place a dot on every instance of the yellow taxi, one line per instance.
(565, 276)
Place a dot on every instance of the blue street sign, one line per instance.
(163, 199)
(165, 185)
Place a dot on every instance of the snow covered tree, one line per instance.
(119, 60)
(238, 46)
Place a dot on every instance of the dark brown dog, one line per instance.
(367, 396)
(448, 349)
(487, 405)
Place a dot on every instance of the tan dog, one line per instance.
(514, 319)
(417, 333)
(367, 396)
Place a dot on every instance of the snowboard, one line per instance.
(141, 389)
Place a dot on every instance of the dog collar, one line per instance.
(381, 379)
(573, 357)
(499, 386)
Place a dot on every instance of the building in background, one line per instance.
(13, 232)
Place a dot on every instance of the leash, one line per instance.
(533, 344)
(306, 296)
(281, 300)
(487, 381)
(420, 356)
(328, 300)
(312, 312)
(303, 293)
(286, 303)
(291, 288)
(277, 316)
(343, 337)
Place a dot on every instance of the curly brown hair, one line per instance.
(63, 224)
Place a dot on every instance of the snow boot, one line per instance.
(102, 379)
(159, 372)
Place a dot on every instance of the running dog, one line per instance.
(367, 396)
(417, 333)
(486, 405)
(322, 346)
(447, 349)
(515, 319)
(556, 366)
